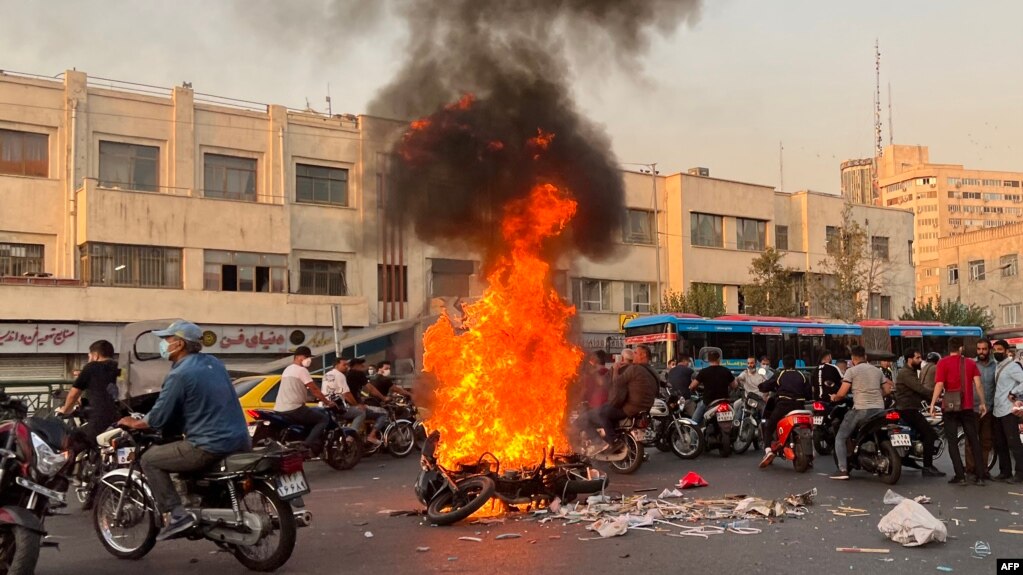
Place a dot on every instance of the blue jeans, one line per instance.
(853, 418)
(607, 417)
(355, 415)
(378, 414)
(701, 408)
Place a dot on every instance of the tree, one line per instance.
(771, 291)
(699, 299)
(852, 271)
(952, 312)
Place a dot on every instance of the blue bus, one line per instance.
(743, 336)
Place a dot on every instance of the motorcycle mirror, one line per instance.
(762, 372)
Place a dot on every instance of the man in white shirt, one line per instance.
(291, 399)
(335, 385)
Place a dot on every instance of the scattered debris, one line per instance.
(452, 558)
(644, 490)
(473, 539)
(386, 511)
(691, 480)
(488, 521)
(861, 550)
(626, 556)
(368, 535)
(1014, 531)
(1016, 494)
(993, 508)
(670, 493)
(981, 550)
(912, 525)
(422, 549)
(945, 569)
(610, 526)
(361, 523)
(508, 536)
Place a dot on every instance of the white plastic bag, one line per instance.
(912, 525)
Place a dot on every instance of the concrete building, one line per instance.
(858, 182)
(982, 268)
(124, 202)
(947, 199)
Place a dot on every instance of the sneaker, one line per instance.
(176, 526)
(1015, 479)
(978, 481)
(1001, 477)
(373, 441)
(842, 475)
(957, 480)
(768, 458)
(931, 472)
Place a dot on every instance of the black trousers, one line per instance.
(1007, 441)
(781, 408)
(967, 418)
(313, 419)
(915, 419)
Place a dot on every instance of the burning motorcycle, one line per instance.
(243, 504)
(878, 445)
(35, 463)
(453, 495)
(342, 448)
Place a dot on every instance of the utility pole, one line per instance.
(781, 167)
(878, 138)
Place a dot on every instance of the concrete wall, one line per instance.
(996, 291)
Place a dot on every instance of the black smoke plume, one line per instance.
(486, 78)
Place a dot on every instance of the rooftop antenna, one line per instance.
(891, 126)
(330, 111)
(877, 100)
(781, 167)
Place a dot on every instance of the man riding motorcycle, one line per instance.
(633, 390)
(865, 382)
(793, 390)
(291, 399)
(197, 400)
(909, 392)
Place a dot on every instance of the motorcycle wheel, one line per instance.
(400, 439)
(273, 549)
(894, 463)
(804, 454)
(633, 460)
(451, 507)
(746, 435)
(135, 534)
(19, 550)
(686, 441)
(341, 454)
(725, 446)
(821, 444)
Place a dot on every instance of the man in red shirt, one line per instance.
(954, 375)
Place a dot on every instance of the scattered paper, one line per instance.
(422, 549)
(670, 493)
(912, 525)
(368, 535)
(473, 539)
(610, 526)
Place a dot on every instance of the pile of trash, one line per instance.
(673, 514)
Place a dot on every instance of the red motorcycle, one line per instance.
(795, 439)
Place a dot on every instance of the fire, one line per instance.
(501, 385)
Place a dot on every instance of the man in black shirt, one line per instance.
(98, 381)
(680, 377)
(793, 389)
(717, 382)
(827, 379)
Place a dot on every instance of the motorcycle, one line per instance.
(342, 448)
(242, 503)
(399, 437)
(35, 465)
(915, 455)
(753, 405)
(453, 495)
(656, 434)
(826, 419)
(718, 430)
(795, 439)
(684, 435)
(878, 445)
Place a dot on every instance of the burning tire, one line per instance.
(451, 507)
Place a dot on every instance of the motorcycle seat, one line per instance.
(631, 421)
(799, 412)
(248, 460)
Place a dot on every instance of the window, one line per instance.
(20, 259)
(911, 252)
(452, 278)
(1010, 314)
(119, 265)
(392, 283)
(879, 247)
(322, 277)
(24, 154)
(880, 306)
(244, 271)
(706, 230)
(1009, 265)
(129, 166)
(750, 234)
(639, 227)
(830, 234)
(781, 237)
(229, 177)
(591, 295)
(321, 185)
(977, 270)
(637, 297)
(953, 274)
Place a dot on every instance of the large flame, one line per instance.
(501, 385)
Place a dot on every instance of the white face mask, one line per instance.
(307, 362)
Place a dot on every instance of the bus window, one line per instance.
(760, 345)
(970, 345)
(810, 347)
(691, 342)
(938, 343)
(897, 348)
(776, 348)
(735, 347)
(840, 346)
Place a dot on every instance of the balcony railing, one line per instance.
(40, 281)
(92, 183)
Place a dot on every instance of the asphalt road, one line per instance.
(347, 504)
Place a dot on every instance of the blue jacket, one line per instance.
(198, 400)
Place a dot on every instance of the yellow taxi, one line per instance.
(260, 392)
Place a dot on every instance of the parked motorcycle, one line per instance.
(794, 440)
(342, 448)
(718, 429)
(453, 495)
(826, 419)
(242, 504)
(753, 405)
(877, 446)
(684, 435)
(35, 464)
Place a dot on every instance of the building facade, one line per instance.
(982, 268)
(858, 182)
(947, 199)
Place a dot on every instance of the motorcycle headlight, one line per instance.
(47, 461)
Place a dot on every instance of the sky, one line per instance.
(723, 92)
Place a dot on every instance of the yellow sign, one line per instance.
(623, 318)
